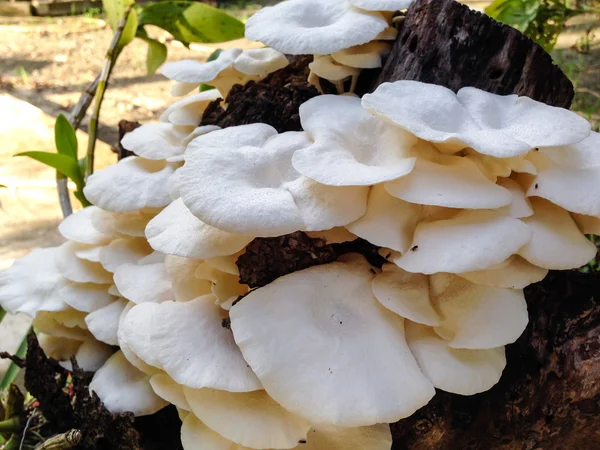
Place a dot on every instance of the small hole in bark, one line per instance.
(496, 73)
(413, 44)
(405, 38)
(458, 23)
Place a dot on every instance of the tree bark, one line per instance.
(549, 394)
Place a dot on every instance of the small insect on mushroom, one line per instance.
(63, 441)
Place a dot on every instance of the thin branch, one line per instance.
(109, 63)
(84, 103)
(588, 91)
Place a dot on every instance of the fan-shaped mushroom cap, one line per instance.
(520, 206)
(308, 27)
(20, 292)
(472, 240)
(335, 235)
(91, 356)
(406, 294)
(189, 110)
(495, 125)
(182, 274)
(123, 251)
(132, 184)
(270, 198)
(144, 282)
(352, 147)
(123, 388)
(190, 74)
(119, 224)
(460, 371)
(157, 140)
(86, 297)
(133, 359)
(80, 227)
(330, 69)
(365, 56)
(517, 274)
(382, 5)
(58, 348)
(103, 323)
(211, 356)
(454, 182)
(66, 324)
(475, 316)
(176, 231)
(252, 419)
(260, 61)
(166, 388)
(89, 252)
(226, 286)
(80, 270)
(576, 190)
(557, 243)
(587, 224)
(309, 337)
(582, 155)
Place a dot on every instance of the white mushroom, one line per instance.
(460, 371)
(211, 356)
(472, 240)
(189, 110)
(260, 62)
(495, 125)
(123, 388)
(259, 183)
(520, 206)
(517, 274)
(123, 251)
(557, 243)
(365, 56)
(103, 323)
(329, 69)
(119, 224)
(166, 388)
(86, 297)
(352, 147)
(91, 356)
(132, 184)
(157, 141)
(65, 324)
(335, 235)
(582, 155)
(475, 316)
(382, 5)
(251, 419)
(309, 337)
(144, 281)
(308, 27)
(406, 294)
(79, 270)
(587, 224)
(182, 274)
(176, 231)
(80, 227)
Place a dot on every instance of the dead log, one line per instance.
(549, 394)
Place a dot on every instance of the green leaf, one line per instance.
(114, 10)
(64, 164)
(13, 369)
(65, 137)
(157, 54)
(214, 55)
(2, 314)
(192, 22)
(516, 13)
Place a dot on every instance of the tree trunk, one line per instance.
(549, 394)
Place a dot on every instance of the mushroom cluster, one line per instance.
(467, 198)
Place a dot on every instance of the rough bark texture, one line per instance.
(446, 43)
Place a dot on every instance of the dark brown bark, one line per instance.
(446, 43)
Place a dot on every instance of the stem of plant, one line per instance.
(13, 443)
(109, 63)
(13, 369)
(12, 425)
(2, 314)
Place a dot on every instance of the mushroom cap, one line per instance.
(123, 388)
(194, 73)
(189, 110)
(89, 252)
(58, 348)
(388, 222)
(365, 56)
(335, 235)
(330, 69)
(144, 282)
(472, 240)
(454, 182)
(557, 243)
(259, 183)
(587, 224)
(382, 5)
(123, 251)
(352, 147)
(520, 206)
(211, 356)
(309, 337)
(66, 324)
(460, 371)
(79, 270)
(406, 294)
(226, 286)
(582, 155)
(103, 323)
(165, 387)
(327, 437)
(495, 125)
(307, 27)
(80, 227)
(86, 297)
(119, 224)
(576, 190)
(91, 356)
(182, 274)
(475, 316)
(176, 231)
(260, 61)
(132, 184)
(517, 274)
(156, 141)
(252, 419)
(22, 293)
